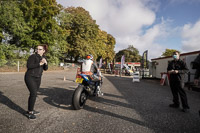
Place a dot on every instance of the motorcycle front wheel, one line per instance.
(79, 98)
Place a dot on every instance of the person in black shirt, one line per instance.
(35, 65)
(196, 65)
(177, 69)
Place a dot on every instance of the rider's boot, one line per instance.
(99, 92)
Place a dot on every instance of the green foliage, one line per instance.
(53, 61)
(70, 33)
(131, 55)
(12, 25)
(110, 45)
(40, 17)
(53, 55)
(168, 52)
(3, 60)
(85, 37)
(83, 32)
(8, 53)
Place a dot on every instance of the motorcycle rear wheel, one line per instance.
(79, 98)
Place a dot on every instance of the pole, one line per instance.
(17, 66)
(189, 81)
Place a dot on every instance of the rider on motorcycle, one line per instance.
(90, 69)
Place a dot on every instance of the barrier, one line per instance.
(78, 72)
(136, 77)
(116, 71)
(164, 78)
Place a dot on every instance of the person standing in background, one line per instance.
(196, 65)
(177, 69)
(35, 65)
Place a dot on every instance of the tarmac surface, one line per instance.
(126, 107)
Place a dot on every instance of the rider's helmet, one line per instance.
(89, 57)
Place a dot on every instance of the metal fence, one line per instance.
(69, 65)
(18, 65)
(12, 65)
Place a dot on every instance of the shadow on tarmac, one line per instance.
(58, 97)
(100, 111)
(6, 101)
(151, 100)
(112, 102)
(111, 95)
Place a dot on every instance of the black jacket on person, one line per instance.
(177, 65)
(196, 65)
(197, 74)
(33, 66)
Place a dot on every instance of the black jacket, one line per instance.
(196, 65)
(33, 66)
(197, 74)
(177, 65)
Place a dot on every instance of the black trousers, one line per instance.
(33, 85)
(177, 91)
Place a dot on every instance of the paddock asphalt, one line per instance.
(126, 107)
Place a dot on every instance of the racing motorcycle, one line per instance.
(86, 88)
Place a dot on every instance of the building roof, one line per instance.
(130, 63)
(183, 54)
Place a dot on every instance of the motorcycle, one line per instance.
(85, 89)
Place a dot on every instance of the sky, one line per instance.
(153, 25)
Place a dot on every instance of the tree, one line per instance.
(13, 28)
(85, 36)
(7, 54)
(101, 45)
(110, 45)
(169, 52)
(131, 54)
(83, 32)
(40, 17)
(69, 33)
(27, 23)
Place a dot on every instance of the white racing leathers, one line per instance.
(86, 66)
(90, 68)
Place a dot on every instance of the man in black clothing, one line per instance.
(177, 69)
(196, 65)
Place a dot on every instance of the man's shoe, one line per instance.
(174, 106)
(30, 116)
(185, 110)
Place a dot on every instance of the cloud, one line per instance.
(172, 2)
(129, 17)
(148, 40)
(116, 16)
(190, 37)
(131, 22)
